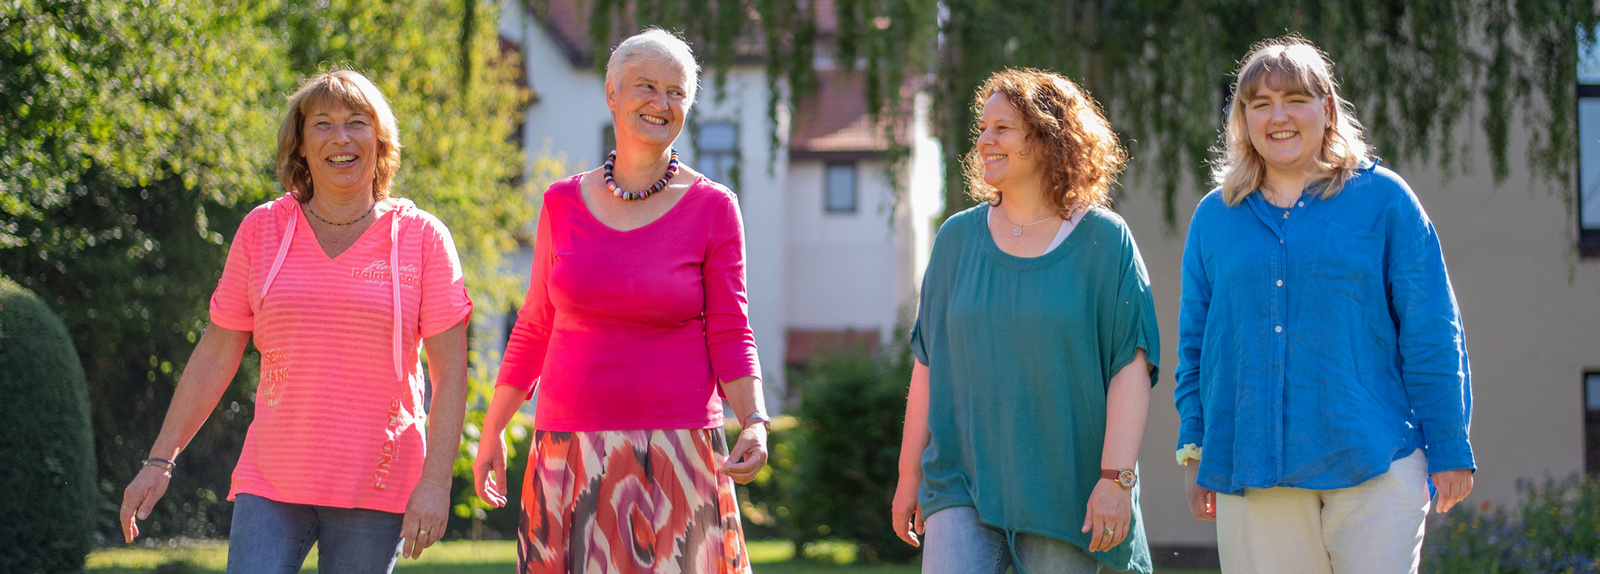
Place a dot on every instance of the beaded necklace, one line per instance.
(611, 183)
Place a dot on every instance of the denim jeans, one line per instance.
(271, 537)
(958, 543)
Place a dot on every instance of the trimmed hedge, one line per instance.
(46, 446)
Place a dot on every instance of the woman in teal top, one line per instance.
(1031, 386)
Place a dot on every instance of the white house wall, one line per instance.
(843, 269)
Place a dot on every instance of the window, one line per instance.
(716, 147)
(839, 188)
(1589, 143)
(1591, 423)
(608, 141)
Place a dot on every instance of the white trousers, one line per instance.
(1372, 528)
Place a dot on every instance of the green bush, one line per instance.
(846, 452)
(764, 503)
(1555, 527)
(471, 518)
(46, 448)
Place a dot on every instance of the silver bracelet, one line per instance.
(159, 462)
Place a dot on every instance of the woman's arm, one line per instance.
(1433, 349)
(489, 464)
(907, 517)
(211, 367)
(429, 505)
(1193, 307)
(749, 454)
(1127, 406)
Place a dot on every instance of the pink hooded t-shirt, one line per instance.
(339, 417)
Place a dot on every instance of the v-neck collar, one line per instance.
(312, 232)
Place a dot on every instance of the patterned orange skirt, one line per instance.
(629, 501)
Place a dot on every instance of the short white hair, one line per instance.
(654, 42)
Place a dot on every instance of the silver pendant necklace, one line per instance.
(1018, 231)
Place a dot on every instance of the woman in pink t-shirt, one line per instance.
(634, 329)
(338, 284)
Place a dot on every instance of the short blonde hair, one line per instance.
(351, 90)
(1287, 64)
(1079, 155)
(654, 42)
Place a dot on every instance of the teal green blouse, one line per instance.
(1020, 352)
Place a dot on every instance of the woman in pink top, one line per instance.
(338, 284)
(633, 331)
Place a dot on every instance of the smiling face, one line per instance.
(1003, 143)
(647, 102)
(1287, 128)
(340, 146)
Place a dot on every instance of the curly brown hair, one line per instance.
(1081, 154)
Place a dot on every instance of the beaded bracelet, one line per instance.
(155, 461)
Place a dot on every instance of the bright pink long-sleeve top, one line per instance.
(632, 330)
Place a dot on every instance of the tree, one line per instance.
(134, 138)
(1415, 68)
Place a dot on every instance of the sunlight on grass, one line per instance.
(486, 557)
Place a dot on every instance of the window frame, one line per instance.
(1588, 237)
(736, 159)
(1591, 427)
(855, 188)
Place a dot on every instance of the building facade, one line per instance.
(836, 232)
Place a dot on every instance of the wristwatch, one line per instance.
(758, 417)
(1124, 478)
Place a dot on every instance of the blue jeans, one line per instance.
(958, 543)
(271, 537)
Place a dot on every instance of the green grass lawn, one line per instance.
(498, 557)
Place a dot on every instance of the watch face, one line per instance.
(1127, 478)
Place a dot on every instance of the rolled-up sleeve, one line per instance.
(230, 304)
(1431, 338)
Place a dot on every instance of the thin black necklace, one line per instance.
(351, 222)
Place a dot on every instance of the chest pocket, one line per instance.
(1349, 263)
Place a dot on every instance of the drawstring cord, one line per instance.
(394, 270)
(1011, 546)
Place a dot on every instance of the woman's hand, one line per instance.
(1453, 487)
(424, 521)
(750, 452)
(140, 497)
(489, 469)
(907, 515)
(1110, 508)
(1202, 502)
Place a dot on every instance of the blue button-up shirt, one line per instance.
(1315, 349)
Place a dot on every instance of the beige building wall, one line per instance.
(1530, 304)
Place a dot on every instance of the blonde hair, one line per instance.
(1293, 65)
(1080, 156)
(354, 91)
(655, 43)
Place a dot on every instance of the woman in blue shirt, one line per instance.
(1322, 364)
(1031, 385)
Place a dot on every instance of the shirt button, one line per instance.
(1280, 241)
(1278, 329)
(1280, 282)
(1302, 204)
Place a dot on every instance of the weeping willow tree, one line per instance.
(1421, 72)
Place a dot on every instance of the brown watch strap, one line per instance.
(1112, 475)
